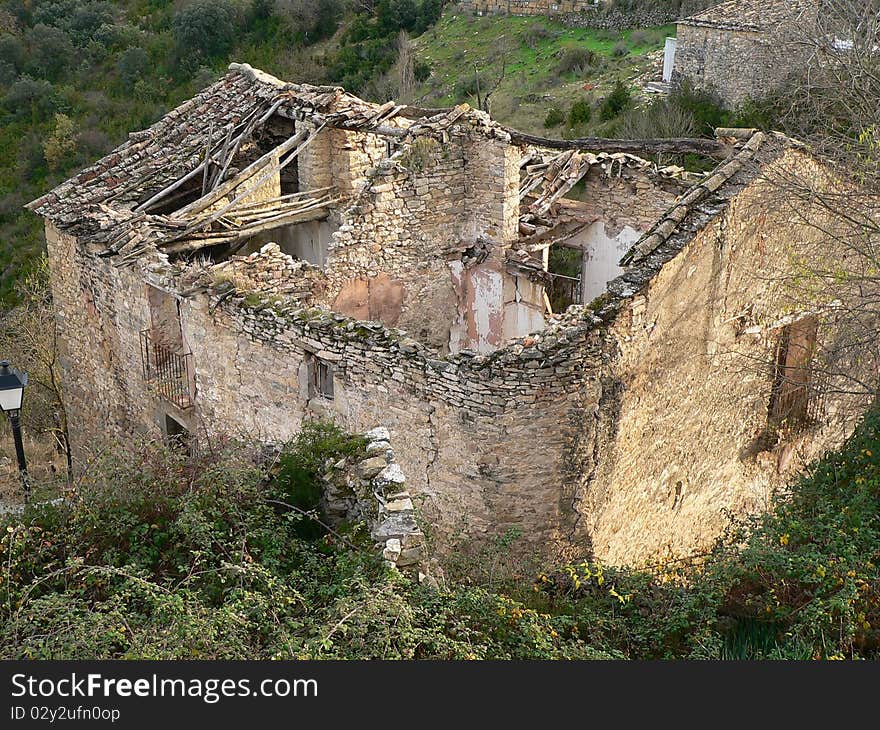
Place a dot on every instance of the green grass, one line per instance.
(530, 50)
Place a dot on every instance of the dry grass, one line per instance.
(45, 466)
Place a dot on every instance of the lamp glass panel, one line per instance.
(10, 398)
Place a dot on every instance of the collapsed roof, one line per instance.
(120, 202)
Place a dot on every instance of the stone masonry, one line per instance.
(621, 428)
(739, 49)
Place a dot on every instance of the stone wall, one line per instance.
(527, 7)
(737, 65)
(480, 438)
(623, 432)
(581, 13)
(695, 378)
(399, 250)
(370, 488)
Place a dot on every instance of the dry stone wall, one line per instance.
(417, 214)
(480, 438)
(371, 489)
(527, 7)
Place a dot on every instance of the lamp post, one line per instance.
(11, 391)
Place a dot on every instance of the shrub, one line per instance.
(575, 60)
(580, 113)
(704, 106)
(555, 117)
(618, 100)
(30, 97)
(465, 87)
(639, 37)
(50, 52)
(421, 71)
(660, 118)
(620, 50)
(534, 34)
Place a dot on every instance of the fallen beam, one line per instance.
(676, 146)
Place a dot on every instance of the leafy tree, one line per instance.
(205, 28)
(12, 51)
(86, 21)
(31, 97)
(133, 63)
(311, 19)
(51, 52)
(61, 144)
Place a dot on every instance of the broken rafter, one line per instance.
(316, 211)
(246, 125)
(245, 178)
(254, 182)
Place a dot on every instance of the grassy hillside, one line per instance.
(545, 65)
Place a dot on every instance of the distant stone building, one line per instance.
(271, 252)
(736, 48)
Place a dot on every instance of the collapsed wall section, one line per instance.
(400, 255)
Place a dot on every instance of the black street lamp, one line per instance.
(11, 391)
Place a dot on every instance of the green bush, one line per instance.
(704, 106)
(580, 113)
(576, 60)
(164, 555)
(555, 117)
(618, 100)
(133, 63)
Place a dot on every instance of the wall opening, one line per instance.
(164, 319)
(793, 397)
(565, 267)
(164, 361)
(320, 376)
(176, 434)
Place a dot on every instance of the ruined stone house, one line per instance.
(740, 49)
(270, 252)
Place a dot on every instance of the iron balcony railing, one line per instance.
(167, 370)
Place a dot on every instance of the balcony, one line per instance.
(167, 370)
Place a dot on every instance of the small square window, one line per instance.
(320, 378)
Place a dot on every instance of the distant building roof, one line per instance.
(758, 16)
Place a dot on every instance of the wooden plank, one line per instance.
(678, 145)
(252, 184)
(251, 170)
